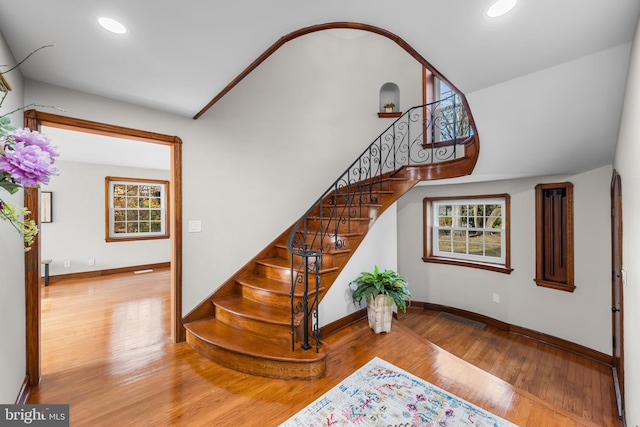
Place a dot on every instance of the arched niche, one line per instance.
(389, 93)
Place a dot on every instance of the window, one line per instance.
(468, 231)
(450, 120)
(554, 236)
(441, 89)
(136, 209)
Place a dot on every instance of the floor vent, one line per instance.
(472, 323)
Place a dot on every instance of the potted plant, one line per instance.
(382, 290)
(388, 107)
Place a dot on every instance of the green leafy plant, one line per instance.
(386, 282)
(389, 105)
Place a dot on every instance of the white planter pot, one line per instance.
(380, 312)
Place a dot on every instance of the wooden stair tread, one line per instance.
(342, 234)
(331, 250)
(333, 219)
(286, 264)
(244, 307)
(354, 205)
(214, 332)
(269, 285)
(363, 193)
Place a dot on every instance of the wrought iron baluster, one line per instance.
(358, 181)
(292, 295)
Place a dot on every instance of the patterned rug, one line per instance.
(381, 394)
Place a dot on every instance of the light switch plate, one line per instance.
(195, 226)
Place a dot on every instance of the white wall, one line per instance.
(379, 247)
(259, 158)
(280, 138)
(521, 121)
(77, 231)
(582, 317)
(12, 302)
(626, 163)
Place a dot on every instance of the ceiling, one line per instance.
(176, 58)
(75, 146)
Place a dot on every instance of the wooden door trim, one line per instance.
(34, 120)
(616, 278)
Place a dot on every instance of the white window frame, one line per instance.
(163, 186)
(433, 226)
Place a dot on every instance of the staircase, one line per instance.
(263, 320)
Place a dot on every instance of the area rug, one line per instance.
(381, 394)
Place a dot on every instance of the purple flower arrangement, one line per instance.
(26, 160)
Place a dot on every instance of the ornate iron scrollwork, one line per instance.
(425, 134)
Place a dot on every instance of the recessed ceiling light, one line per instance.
(500, 7)
(112, 25)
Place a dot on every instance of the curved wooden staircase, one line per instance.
(247, 324)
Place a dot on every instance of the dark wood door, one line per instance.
(617, 284)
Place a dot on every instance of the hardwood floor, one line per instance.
(106, 351)
(576, 384)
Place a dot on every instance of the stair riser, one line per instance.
(330, 225)
(331, 243)
(327, 258)
(268, 298)
(373, 198)
(276, 273)
(256, 365)
(364, 188)
(351, 211)
(258, 327)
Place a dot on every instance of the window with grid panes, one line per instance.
(136, 209)
(471, 231)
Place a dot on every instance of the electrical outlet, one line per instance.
(496, 298)
(92, 261)
(67, 263)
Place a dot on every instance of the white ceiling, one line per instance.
(178, 56)
(90, 148)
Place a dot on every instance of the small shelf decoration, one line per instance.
(389, 99)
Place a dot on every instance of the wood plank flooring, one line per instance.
(576, 384)
(106, 351)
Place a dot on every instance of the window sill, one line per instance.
(555, 285)
(394, 114)
(471, 264)
(134, 238)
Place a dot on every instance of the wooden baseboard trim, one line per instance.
(99, 273)
(560, 343)
(464, 313)
(581, 350)
(342, 323)
(25, 391)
